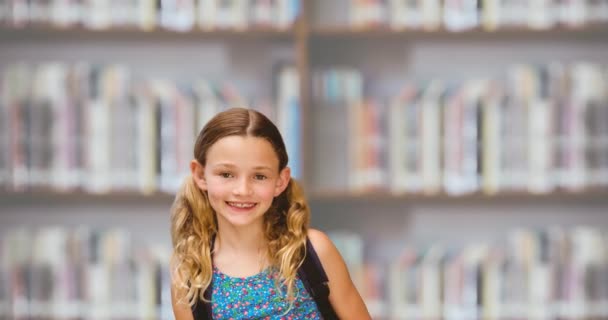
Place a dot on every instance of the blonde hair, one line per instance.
(194, 223)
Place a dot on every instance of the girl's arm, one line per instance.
(181, 311)
(343, 295)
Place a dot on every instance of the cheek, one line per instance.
(217, 189)
(266, 192)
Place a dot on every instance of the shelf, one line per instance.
(40, 32)
(596, 31)
(50, 33)
(46, 197)
(590, 196)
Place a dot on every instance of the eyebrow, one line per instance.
(229, 165)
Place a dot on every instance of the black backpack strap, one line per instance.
(315, 281)
(201, 310)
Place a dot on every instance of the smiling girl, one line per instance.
(240, 232)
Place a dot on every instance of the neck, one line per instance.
(245, 240)
(240, 251)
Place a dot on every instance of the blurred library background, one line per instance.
(455, 151)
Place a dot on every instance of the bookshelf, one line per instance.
(82, 197)
(49, 33)
(588, 196)
(596, 31)
(386, 59)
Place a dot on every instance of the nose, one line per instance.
(243, 187)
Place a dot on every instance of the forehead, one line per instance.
(243, 152)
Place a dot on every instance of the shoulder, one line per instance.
(318, 237)
(343, 295)
(321, 242)
(324, 247)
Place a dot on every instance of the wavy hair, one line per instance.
(194, 222)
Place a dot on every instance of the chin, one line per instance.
(241, 222)
(242, 219)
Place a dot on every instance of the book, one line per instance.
(289, 117)
(100, 128)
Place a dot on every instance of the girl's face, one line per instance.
(241, 177)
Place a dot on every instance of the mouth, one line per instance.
(241, 205)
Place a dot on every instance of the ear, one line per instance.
(282, 181)
(198, 174)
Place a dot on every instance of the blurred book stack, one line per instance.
(82, 273)
(334, 91)
(176, 15)
(554, 273)
(101, 129)
(456, 15)
(537, 128)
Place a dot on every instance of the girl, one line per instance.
(240, 226)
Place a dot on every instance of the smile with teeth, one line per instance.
(243, 205)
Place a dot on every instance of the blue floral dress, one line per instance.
(256, 297)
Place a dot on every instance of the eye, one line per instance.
(226, 175)
(260, 177)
